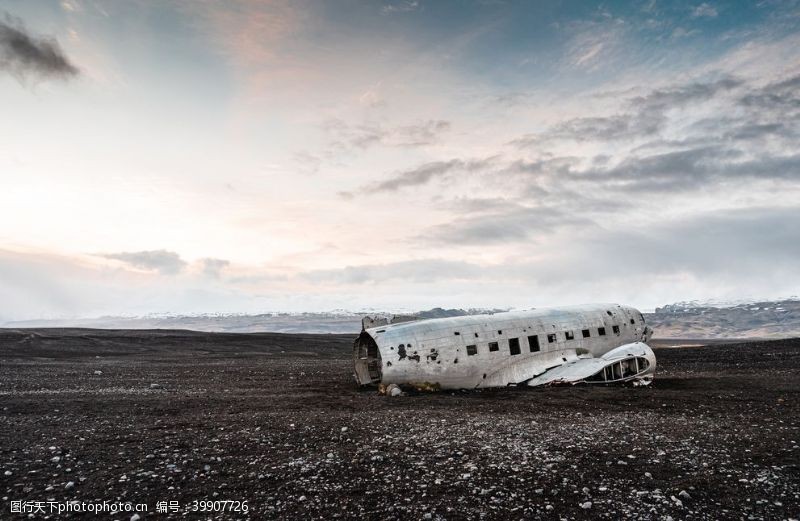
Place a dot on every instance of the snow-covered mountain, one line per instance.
(743, 319)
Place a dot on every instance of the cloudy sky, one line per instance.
(248, 156)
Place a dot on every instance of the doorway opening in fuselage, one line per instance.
(367, 360)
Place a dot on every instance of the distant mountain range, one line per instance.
(765, 319)
(323, 322)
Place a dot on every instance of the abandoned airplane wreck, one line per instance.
(593, 344)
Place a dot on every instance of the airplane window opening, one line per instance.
(456, 333)
(601, 331)
(633, 321)
(615, 329)
(472, 350)
(610, 314)
(533, 343)
(494, 346)
(513, 346)
(476, 335)
(551, 338)
(628, 367)
(499, 331)
(569, 335)
(586, 333)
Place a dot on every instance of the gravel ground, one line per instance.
(149, 416)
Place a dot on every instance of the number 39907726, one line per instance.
(227, 505)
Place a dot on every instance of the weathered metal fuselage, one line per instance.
(599, 343)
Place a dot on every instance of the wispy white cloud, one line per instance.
(365, 135)
(704, 10)
(405, 6)
(594, 42)
(213, 267)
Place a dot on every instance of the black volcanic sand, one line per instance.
(276, 420)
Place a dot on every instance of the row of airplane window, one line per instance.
(533, 341)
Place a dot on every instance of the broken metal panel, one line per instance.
(397, 319)
(524, 370)
(625, 358)
(435, 351)
(370, 322)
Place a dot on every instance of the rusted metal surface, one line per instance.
(596, 344)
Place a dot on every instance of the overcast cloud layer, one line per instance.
(254, 156)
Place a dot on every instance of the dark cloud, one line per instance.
(687, 170)
(610, 128)
(754, 140)
(676, 144)
(667, 171)
(758, 131)
(418, 176)
(644, 117)
(721, 130)
(678, 96)
(429, 171)
(514, 223)
(776, 98)
(594, 184)
(163, 261)
(22, 54)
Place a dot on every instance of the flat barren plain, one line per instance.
(275, 420)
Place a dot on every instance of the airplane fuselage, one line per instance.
(511, 348)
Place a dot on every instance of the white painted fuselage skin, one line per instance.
(514, 348)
